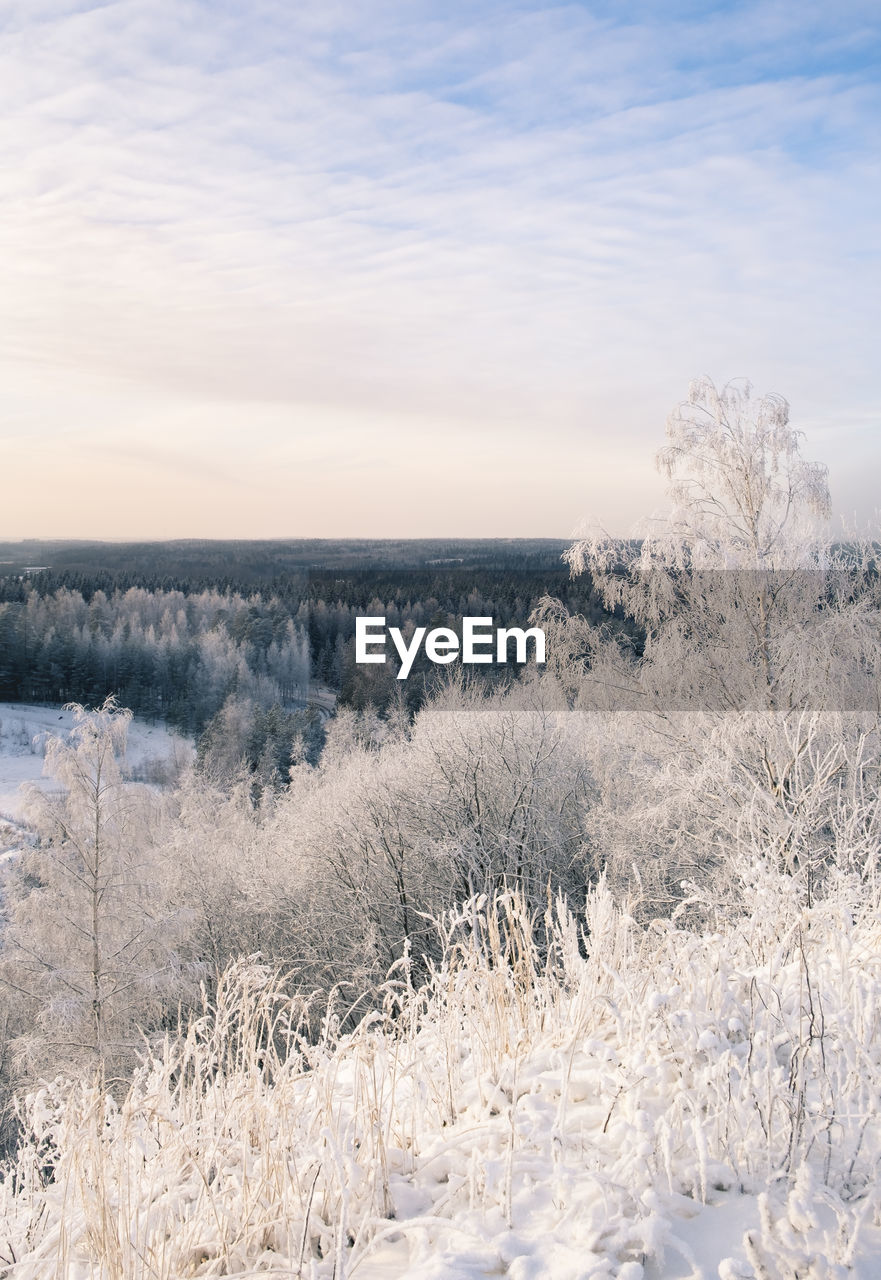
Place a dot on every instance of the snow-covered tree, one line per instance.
(726, 584)
(760, 657)
(87, 948)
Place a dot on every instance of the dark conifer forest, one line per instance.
(173, 629)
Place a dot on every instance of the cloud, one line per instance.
(493, 223)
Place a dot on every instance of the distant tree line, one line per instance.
(232, 666)
(179, 653)
(164, 653)
(253, 564)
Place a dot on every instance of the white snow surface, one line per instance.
(152, 751)
(663, 1108)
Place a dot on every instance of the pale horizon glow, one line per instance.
(422, 270)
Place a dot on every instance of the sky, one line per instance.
(423, 267)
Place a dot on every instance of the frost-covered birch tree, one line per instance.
(87, 947)
(756, 688)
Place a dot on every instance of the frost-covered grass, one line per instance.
(621, 1102)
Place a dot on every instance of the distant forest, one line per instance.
(177, 629)
(193, 563)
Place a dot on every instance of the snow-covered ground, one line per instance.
(153, 755)
(669, 1107)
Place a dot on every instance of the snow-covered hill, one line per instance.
(674, 1105)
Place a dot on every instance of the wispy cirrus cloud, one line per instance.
(439, 236)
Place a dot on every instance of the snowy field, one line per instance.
(153, 755)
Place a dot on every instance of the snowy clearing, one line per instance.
(153, 754)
